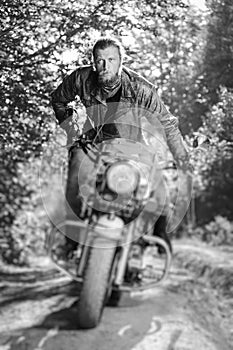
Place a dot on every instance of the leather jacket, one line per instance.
(138, 106)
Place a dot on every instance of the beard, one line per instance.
(104, 79)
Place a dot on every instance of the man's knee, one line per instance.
(160, 231)
(160, 225)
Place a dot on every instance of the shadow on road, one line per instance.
(66, 318)
(120, 328)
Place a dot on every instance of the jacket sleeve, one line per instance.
(157, 112)
(64, 94)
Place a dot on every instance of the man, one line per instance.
(111, 92)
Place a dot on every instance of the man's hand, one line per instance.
(71, 133)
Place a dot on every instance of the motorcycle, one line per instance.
(116, 251)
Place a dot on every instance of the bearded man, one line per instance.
(112, 93)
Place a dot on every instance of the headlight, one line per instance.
(122, 178)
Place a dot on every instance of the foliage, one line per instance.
(214, 167)
(186, 54)
(217, 63)
(27, 237)
(36, 40)
(170, 57)
(217, 232)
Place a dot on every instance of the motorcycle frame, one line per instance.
(124, 241)
(125, 244)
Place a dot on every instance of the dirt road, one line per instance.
(186, 312)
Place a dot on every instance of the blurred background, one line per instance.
(184, 47)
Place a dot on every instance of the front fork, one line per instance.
(106, 233)
(124, 256)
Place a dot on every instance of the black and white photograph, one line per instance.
(116, 186)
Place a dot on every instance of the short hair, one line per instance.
(104, 42)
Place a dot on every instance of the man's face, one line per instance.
(108, 65)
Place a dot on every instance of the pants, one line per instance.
(78, 169)
(160, 231)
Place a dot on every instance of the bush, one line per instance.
(216, 232)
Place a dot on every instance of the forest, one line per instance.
(182, 49)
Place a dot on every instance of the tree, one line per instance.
(216, 91)
(217, 64)
(214, 169)
(171, 57)
(33, 38)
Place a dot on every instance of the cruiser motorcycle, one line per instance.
(116, 250)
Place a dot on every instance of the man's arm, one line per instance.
(158, 112)
(64, 94)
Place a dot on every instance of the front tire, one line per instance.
(95, 286)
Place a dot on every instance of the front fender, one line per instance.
(109, 228)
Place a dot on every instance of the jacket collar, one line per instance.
(127, 89)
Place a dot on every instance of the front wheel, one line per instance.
(95, 286)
